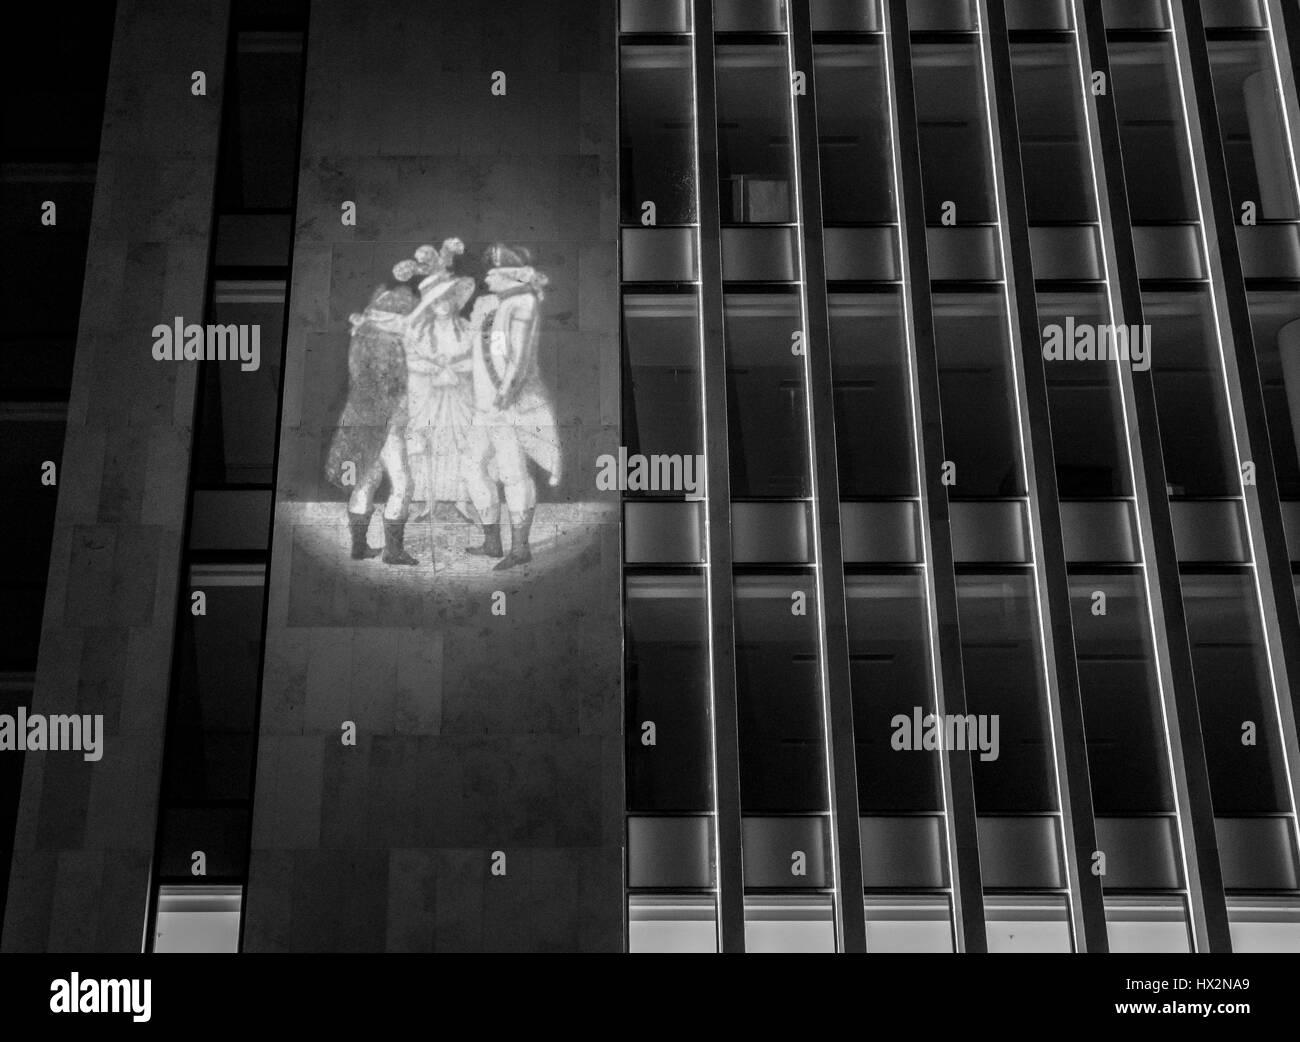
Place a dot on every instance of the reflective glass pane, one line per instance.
(853, 134)
(981, 433)
(1152, 132)
(889, 660)
(661, 380)
(1247, 96)
(1088, 435)
(1265, 925)
(259, 147)
(782, 748)
(766, 409)
(1002, 664)
(197, 919)
(657, 133)
(212, 720)
(755, 158)
(1195, 423)
(668, 736)
(912, 923)
(1275, 325)
(789, 925)
(956, 165)
(239, 408)
(1053, 133)
(671, 924)
(1147, 925)
(1127, 754)
(872, 387)
(1238, 718)
(1028, 925)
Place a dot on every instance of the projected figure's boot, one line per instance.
(491, 543)
(359, 525)
(519, 552)
(393, 552)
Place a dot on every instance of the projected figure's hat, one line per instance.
(433, 263)
(514, 263)
(499, 255)
(386, 306)
(397, 301)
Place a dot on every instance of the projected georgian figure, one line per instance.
(514, 420)
(371, 439)
(439, 405)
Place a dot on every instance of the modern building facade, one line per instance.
(896, 401)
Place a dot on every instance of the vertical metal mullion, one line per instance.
(837, 696)
(728, 834)
(936, 535)
(1056, 630)
(1263, 509)
(1208, 911)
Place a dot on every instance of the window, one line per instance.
(668, 688)
(657, 133)
(755, 156)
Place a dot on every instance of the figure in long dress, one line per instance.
(513, 419)
(439, 404)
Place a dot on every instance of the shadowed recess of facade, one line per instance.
(84, 837)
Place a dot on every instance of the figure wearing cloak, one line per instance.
(370, 441)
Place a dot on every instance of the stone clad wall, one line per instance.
(476, 732)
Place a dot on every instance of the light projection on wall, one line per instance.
(449, 408)
(438, 462)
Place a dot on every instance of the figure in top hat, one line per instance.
(513, 418)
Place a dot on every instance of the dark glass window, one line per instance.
(853, 134)
(956, 164)
(873, 407)
(258, 168)
(213, 716)
(1003, 666)
(668, 685)
(889, 656)
(1233, 689)
(980, 428)
(237, 424)
(1248, 99)
(1053, 133)
(755, 157)
(1087, 418)
(1191, 400)
(1157, 162)
(661, 366)
(766, 412)
(782, 749)
(1127, 754)
(657, 133)
(1275, 324)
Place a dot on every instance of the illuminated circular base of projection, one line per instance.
(327, 580)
